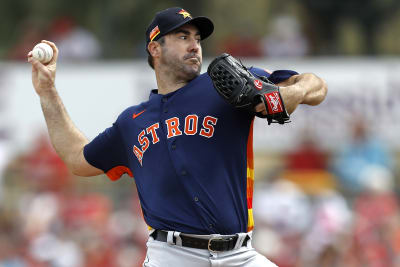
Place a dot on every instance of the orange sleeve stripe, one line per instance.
(250, 179)
(250, 188)
(250, 224)
(116, 172)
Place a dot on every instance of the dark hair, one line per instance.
(150, 59)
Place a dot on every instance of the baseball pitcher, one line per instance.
(189, 146)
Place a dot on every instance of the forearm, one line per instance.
(305, 88)
(67, 140)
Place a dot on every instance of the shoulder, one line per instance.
(131, 111)
(276, 76)
(260, 72)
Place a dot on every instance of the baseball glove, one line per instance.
(235, 83)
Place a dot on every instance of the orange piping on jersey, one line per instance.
(116, 172)
(250, 179)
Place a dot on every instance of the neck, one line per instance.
(167, 84)
(170, 78)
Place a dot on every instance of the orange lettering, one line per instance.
(143, 141)
(191, 124)
(139, 154)
(208, 126)
(172, 125)
(152, 129)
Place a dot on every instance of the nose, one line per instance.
(194, 46)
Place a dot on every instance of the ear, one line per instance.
(154, 49)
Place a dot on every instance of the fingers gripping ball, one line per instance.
(42, 52)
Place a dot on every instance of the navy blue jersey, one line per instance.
(191, 155)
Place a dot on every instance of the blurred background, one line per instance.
(327, 184)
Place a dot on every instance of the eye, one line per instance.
(183, 37)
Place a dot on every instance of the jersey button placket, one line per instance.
(164, 100)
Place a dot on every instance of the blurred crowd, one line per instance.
(48, 218)
(115, 30)
(76, 43)
(73, 41)
(317, 208)
(331, 209)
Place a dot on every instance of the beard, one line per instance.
(180, 67)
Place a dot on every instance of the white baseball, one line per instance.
(42, 52)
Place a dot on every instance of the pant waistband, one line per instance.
(214, 243)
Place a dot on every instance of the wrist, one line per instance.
(294, 93)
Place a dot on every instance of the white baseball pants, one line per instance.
(166, 254)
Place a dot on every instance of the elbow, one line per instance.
(83, 169)
(78, 165)
(321, 94)
(76, 170)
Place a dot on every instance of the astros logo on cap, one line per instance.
(185, 14)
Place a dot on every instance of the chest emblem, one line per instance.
(190, 125)
(135, 115)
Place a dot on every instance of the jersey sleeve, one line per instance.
(107, 153)
(276, 76)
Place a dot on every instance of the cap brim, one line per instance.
(204, 24)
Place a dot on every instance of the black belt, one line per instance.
(214, 244)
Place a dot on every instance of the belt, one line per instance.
(213, 244)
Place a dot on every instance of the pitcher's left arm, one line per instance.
(306, 88)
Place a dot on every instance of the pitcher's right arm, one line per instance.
(66, 138)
